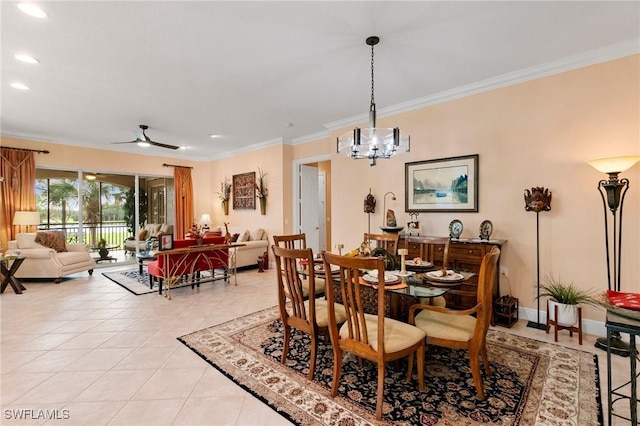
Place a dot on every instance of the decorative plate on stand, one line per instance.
(455, 229)
(486, 228)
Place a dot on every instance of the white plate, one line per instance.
(320, 268)
(451, 276)
(424, 264)
(388, 278)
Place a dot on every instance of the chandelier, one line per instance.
(372, 143)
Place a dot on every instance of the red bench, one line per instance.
(183, 263)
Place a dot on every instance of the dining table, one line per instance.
(402, 288)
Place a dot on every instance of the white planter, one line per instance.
(567, 314)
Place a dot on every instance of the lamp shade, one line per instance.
(614, 164)
(26, 218)
(205, 219)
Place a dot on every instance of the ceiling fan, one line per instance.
(143, 140)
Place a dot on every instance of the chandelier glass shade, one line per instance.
(373, 142)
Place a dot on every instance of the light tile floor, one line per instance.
(101, 355)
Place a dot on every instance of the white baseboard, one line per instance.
(592, 327)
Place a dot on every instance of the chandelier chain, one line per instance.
(372, 97)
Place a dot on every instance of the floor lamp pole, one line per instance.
(537, 324)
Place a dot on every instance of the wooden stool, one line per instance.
(556, 326)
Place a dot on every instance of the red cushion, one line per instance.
(624, 300)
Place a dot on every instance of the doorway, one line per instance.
(312, 201)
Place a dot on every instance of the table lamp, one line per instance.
(25, 218)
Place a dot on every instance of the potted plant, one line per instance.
(102, 249)
(566, 297)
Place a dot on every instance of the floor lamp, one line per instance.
(613, 192)
(537, 200)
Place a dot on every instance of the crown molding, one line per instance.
(260, 145)
(310, 138)
(591, 57)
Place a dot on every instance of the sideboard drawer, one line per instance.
(466, 251)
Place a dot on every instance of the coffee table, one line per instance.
(145, 256)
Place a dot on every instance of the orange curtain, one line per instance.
(184, 201)
(17, 190)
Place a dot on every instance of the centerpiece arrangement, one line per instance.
(224, 195)
(197, 232)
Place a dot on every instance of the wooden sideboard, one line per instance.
(463, 255)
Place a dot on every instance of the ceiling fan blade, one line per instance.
(163, 145)
(125, 142)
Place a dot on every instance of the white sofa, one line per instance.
(256, 243)
(153, 230)
(45, 262)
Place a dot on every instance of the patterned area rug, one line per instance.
(138, 283)
(533, 383)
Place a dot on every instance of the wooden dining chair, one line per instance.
(387, 241)
(368, 336)
(305, 314)
(460, 329)
(294, 241)
(299, 241)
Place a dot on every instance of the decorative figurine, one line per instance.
(413, 225)
(391, 218)
(370, 203)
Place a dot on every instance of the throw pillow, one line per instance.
(244, 236)
(52, 239)
(234, 238)
(143, 234)
(256, 234)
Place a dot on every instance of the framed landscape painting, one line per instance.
(244, 191)
(442, 185)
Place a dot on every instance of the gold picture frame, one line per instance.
(244, 191)
(442, 185)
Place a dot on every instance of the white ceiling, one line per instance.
(246, 69)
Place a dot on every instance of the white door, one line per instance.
(322, 211)
(309, 206)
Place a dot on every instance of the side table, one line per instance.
(630, 326)
(145, 256)
(9, 273)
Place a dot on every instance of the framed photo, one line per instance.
(244, 191)
(443, 185)
(165, 242)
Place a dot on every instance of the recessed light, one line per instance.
(144, 144)
(19, 86)
(26, 58)
(214, 135)
(32, 10)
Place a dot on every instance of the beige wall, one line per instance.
(537, 133)
(270, 160)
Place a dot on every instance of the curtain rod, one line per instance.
(176, 165)
(38, 151)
